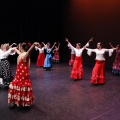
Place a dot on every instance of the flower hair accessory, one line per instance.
(29, 44)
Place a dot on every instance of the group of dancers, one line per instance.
(20, 92)
(98, 72)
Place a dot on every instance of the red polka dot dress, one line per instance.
(20, 89)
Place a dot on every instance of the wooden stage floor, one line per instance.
(58, 97)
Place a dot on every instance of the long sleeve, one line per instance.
(36, 48)
(71, 47)
(89, 51)
(110, 51)
(6, 53)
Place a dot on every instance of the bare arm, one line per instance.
(12, 45)
(43, 43)
(53, 45)
(18, 52)
(30, 49)
(88, 43)
(111, 45)
(58, 45)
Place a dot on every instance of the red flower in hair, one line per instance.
(29, 44)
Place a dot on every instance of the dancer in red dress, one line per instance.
(41, 56)
(72, 59)
(98, 73)
(77, 70)
(20, 91)
(116, 64)
(56, 56)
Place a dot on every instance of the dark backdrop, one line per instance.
(53, 20)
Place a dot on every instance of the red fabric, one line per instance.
(56, 55)
(116, 64)
(40, 60)
(72, 59)
(77, 70)
(20, 89)
(98, 73)
(29, 44)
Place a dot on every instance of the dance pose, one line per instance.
(41, 56)
(72, 59)
(5, 71)
(77, 70)
(48, 58)
(98, 72)
(20, 91)
(56, 56)
(116, 64)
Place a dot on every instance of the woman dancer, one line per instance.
(5, 71)
(77, 70)
(20, 91)
(116, 64)
(72, 59)
(48, 50)
(98, 73)
(56, 56)
(41, 56)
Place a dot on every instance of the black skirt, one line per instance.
(5, 71)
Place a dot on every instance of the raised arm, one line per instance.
(69, 44)
(30, 49)
(111, 45)
(53, 45)
(18, 52)
(44, 45)
(12, 45)
(58, 45)
(87, 45)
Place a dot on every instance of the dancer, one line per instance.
(116, 64)
(5, 71)
(98, 73)
(1, 48)
(47, 62)
(20, 91)
(72, 59)
(41, 56)
(77, 70)
(56, 56)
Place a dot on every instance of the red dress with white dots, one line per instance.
(20, 89)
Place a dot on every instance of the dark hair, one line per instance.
(48, 44)
(24, 46)
(79, 44)
(100, 43)
(118, 46)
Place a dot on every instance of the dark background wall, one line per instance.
(53, 20)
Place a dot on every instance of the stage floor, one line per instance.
(58, 97)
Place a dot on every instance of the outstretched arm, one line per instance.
(44, 45)
(87, 45)
(69, 44)
(111, 45)
(18, 52)
(12, 45)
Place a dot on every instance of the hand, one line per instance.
(66, 39)
(91, 39)
(14, 43)
(55, 43)
(36, 43)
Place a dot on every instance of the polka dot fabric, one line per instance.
(20, 89)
